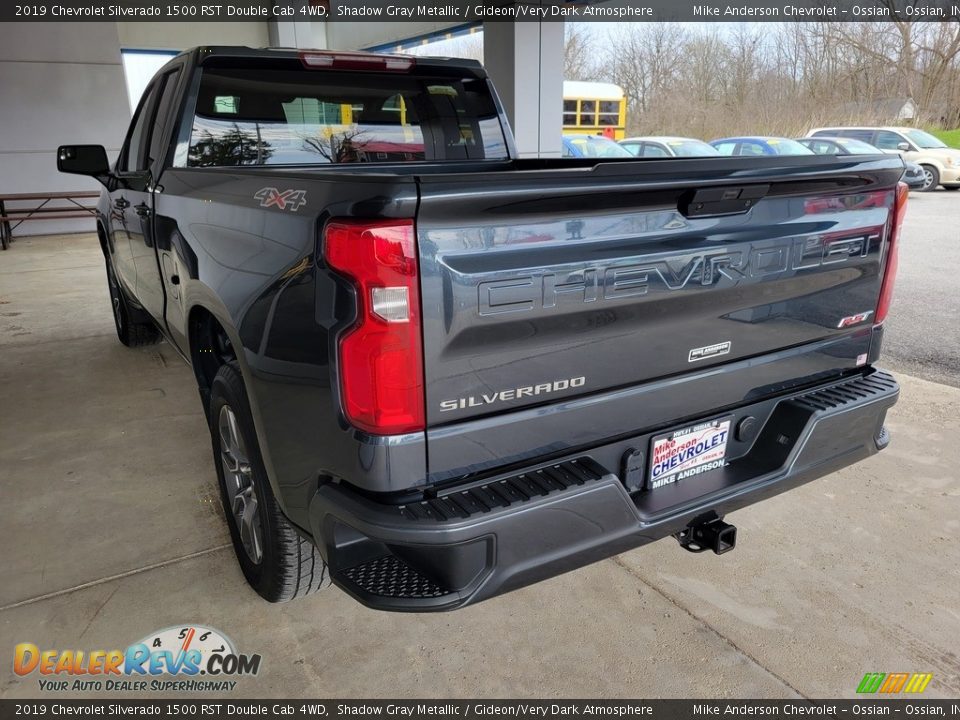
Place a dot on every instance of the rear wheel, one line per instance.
(931, 178)
(131, 333)
(277, 563)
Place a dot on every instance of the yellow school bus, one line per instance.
(594, 108)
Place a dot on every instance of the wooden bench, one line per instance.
(17, 215)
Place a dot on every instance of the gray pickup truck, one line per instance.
(435, 372)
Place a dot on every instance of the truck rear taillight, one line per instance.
(357, 61)
(380, 357)
(893, 249)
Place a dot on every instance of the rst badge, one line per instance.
(291, 200)
(709, 351)
(852, 320)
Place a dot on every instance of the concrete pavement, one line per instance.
(923, 330)
(111, 529)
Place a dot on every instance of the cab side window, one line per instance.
(864, 134)
(654, 150)
(162, 115)
(134, 155)
(749, 148)
(887, 140)
(144, 143)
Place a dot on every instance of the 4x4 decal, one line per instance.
(291, 200)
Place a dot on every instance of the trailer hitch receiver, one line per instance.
(713, 535)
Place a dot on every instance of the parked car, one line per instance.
(940, 163)
(403, 402)
(913, 174)
(592, 146)
(838, 146)
(656, 146)
(759, 146)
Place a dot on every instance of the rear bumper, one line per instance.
(483, 538)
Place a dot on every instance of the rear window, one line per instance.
(292, 117)
(691, 148)
(783, 146)
(857, 147)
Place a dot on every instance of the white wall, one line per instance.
(139, 67)
(301, 34)
(347, 35)
(63, 83)
(180, 36)
(60, 83)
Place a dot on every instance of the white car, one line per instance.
(940, 163)
(658, 146)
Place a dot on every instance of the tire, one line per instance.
(276, 561)
(132, 333)
(932, 178)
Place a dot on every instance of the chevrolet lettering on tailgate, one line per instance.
(633, 279)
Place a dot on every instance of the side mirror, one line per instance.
(83, 160)
(903, 147)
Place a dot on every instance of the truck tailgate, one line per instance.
(559, 282)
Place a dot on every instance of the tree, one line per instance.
(643, 59)
(578, 53)
(917, 59)
(338, 148)
(229, 148)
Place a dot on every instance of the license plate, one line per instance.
(688, 452)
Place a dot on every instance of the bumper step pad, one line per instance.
(506, 492)
(390, 577)
(386, 580)
(852, 391)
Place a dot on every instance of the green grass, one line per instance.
(950, 137)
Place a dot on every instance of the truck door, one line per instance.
(174, 263)
(150, 289)
(128, 194)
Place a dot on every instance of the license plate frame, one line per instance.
(698, 449)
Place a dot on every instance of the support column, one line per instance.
(525, 61)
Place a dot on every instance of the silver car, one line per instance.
(662, 146)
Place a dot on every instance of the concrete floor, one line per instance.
(111, 528)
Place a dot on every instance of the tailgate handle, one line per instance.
(727, 200)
